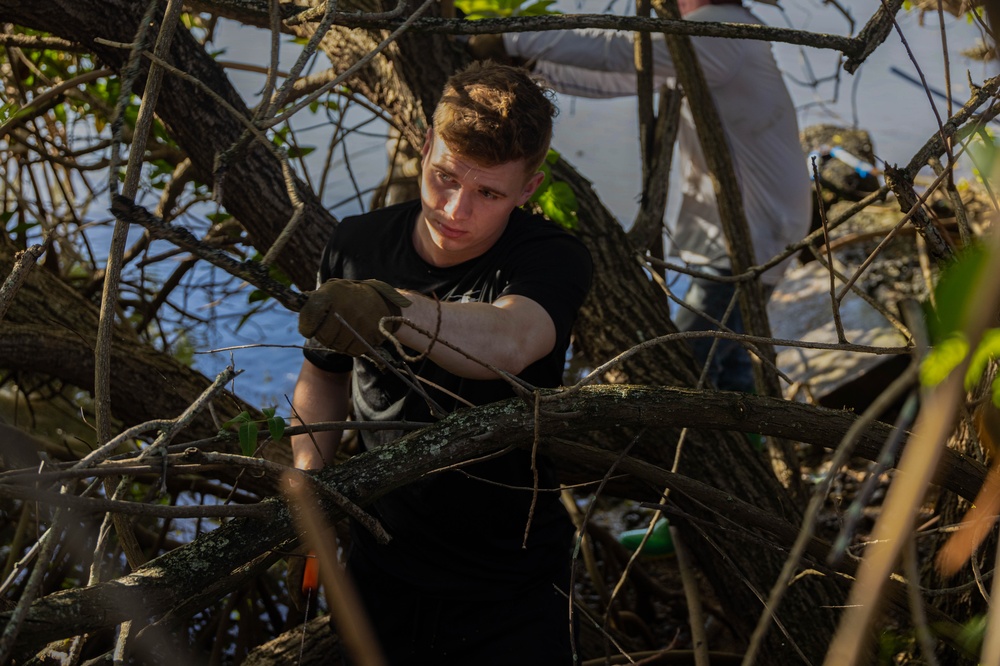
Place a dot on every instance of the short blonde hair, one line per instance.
(495, 114)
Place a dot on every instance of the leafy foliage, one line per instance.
(953, 296)
(555, 198)
(480, 9)
(248, 429)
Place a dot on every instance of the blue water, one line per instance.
(599, 138)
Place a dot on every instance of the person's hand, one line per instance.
(487, 47)
(361, 303)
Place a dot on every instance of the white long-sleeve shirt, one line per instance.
(755, 110)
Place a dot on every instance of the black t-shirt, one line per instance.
(461, 531)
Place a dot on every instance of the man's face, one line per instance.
(465, 206)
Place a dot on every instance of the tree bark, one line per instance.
(196, 575)
(624, 309)
(253, 190)
(50, 329)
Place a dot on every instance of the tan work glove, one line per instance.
(361, 303)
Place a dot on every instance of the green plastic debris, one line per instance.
(659, 542)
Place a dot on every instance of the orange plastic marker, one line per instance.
(310, 575)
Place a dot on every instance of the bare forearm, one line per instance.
(508, 335)
(319, 396)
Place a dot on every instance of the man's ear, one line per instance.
(530, 187)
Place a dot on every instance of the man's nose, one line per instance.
(459, 204)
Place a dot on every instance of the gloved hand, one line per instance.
(362, 304)
(487, 47)
(491, 47)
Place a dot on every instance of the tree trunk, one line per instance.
(625, 309)
(50, 330)
(252, 189)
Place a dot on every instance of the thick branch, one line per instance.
(873, 34)
(196, 575)
(253, 272)
(256, 13)
(196, 121)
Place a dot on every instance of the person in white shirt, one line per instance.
(761, 129)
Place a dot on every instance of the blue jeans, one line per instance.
(731, 368)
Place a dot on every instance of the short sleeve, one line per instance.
(555, 272)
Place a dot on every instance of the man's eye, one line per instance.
(489, 195)
(443, 177)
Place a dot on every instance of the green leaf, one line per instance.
(982, 150)
(475, 10)
(973, 633)
(7, 111)
(944, 358)
(242, 417)
(480, 9)
(958, 280)
(988, 349)
(276, 427)
(248, 437)
(559, 204)
(258, 295)
(299, 151)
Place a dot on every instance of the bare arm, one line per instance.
(319, 396)
(510, 334)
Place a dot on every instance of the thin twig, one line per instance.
(598, 372)
(250, 271)
(350, 71)
(23, 263)
(844, 450)
(47, 545)
(926, 640)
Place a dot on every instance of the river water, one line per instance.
(599, 137)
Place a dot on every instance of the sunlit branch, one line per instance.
(847, 45)
(22, 266)
(42, 43)
(355, 67)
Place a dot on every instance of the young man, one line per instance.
(761, 129)
(454, 585)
